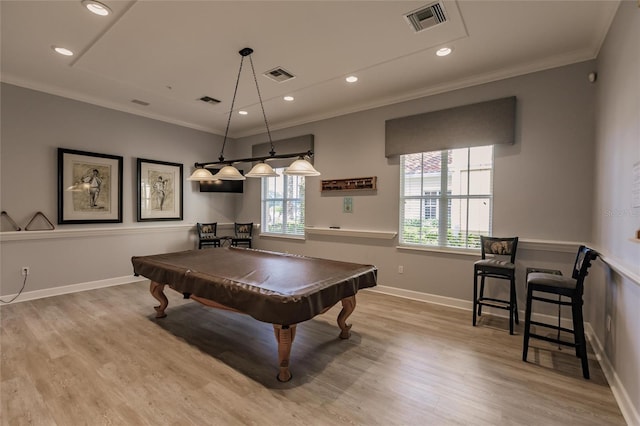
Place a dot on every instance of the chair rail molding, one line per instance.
(91, 232)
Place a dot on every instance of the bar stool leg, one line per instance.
(580, 339)
(481, 295)
(515, 300)
(475, 296)
(512, 296)
(527, 324)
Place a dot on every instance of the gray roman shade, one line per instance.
(484, 123)
(284, 146)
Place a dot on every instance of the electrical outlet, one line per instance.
(400, 269)
(24, 271)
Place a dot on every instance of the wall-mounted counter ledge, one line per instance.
(93, 232)
(358, 233)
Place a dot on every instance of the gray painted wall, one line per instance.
(34, 125)
(611, 293)
(539, 192)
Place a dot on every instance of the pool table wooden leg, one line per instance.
(284, 336)
(157, 291)
(348, 306)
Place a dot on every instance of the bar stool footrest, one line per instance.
(494, 303)
(552, 340)
(553, 327)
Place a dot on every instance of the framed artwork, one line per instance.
(89, 187)
(159, 190)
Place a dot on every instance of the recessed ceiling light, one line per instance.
(241, 112)
(288, 98)
(444, 51)
(62, 51)
(96, 7)
(351, 79)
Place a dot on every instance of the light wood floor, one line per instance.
(99, 357)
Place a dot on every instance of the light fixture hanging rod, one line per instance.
(248, 160)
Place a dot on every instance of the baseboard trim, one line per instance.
(423, 297)
(620, 394)
(73, 288)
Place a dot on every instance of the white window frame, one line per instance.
(286, 201)
(444, 204)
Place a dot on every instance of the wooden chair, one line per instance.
(552, 282)
(242, 234)
(207, 235)
(498, 261)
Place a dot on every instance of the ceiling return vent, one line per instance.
(279, 74)
(426, 17)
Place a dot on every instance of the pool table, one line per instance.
(277, 288)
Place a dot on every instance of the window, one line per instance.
(432, 205)
(283, 204)
(431, 199)
(446, 197)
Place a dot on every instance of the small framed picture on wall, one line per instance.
(89, 187)
(159, 190)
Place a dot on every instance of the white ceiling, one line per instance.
(171, 53)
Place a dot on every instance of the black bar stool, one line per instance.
(207, 235)
(569, 287)
(498, 261)
(243, 233)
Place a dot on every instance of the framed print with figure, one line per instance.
(159, 190)
(89, 187)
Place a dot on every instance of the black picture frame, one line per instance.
(160, 190)
(89, 187)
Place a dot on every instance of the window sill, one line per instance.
(383, 235)
(523, 244)
(447, 250)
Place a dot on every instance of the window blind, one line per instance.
(485, 123)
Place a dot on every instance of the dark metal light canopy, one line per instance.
(300, 167)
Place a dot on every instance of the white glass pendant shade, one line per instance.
(228, 173)
(301, 167)
(262, 169)
(201, 175)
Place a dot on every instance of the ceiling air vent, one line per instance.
(426, 17)
(279, 74)
(209, 100)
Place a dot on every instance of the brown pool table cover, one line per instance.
(272, 287)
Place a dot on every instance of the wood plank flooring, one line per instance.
(101, 358)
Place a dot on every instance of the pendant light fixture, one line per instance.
(300, 167)
(262, 169)
(201, 174)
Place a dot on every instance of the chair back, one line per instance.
(207, 230)
(243, 230)
(581, 266)
(497, 246)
